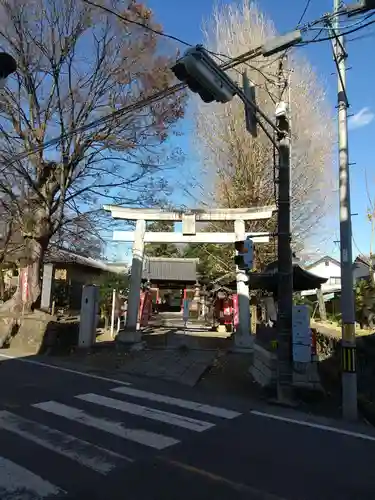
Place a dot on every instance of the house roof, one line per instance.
(170, 269)
(268, 280)
(58, 255)
(361, 267)
(365, 259)
(323, 259)
(118, 267)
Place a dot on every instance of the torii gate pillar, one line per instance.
(132, 331)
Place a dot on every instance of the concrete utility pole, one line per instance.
(284, 251)
(349, 375)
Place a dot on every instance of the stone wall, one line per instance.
(264, 370)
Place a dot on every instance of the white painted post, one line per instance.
(88, 316)
(131, 332)
(113, 313)
(242, 338)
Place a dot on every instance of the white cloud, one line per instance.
(361, 119)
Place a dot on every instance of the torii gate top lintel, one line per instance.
(213, 214)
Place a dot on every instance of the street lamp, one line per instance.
(8, 66)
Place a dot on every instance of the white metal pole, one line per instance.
(113, 312)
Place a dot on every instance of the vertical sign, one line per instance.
(301, 334)
(185, 314)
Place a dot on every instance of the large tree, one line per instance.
(240, 169)
(77, 64)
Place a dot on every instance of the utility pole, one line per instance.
(284, 251)
(348, 346)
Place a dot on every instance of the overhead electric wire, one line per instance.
(343, 33)
(126, 109)
(138, 23)
(304, 12)
(99, 121)
(306, 27)
(361, 37)
(232, 61)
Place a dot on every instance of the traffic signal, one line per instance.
(250, 111)
(367, 4)
(203, 76)
(245, 254)
(360, 7)
(7, 66)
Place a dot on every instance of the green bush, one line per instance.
(110, 281)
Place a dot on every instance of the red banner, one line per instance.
(145, 308)
(236, 314)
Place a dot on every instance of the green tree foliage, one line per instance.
(214, 260)
(161, 249)
(110, 282)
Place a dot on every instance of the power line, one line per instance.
(305, 27)
(171, 90)
(304, 12)
(307, 42)
(138, 23)
(116, 114)
(343, 27)
(149, 28)
(361, 37)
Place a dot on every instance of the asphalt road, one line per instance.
(71, 436)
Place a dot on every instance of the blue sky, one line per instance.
(183, 19)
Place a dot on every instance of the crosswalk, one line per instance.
(98, 432)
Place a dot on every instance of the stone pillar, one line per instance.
(132, 332)
(47, 284)
(196, 302)
(242, 337)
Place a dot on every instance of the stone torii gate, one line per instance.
(188, 235)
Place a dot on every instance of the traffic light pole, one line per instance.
(242, 339)
(284, 253)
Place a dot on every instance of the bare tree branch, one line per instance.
(77, 65)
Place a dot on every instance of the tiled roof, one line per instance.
(170, 269)
(58, 255)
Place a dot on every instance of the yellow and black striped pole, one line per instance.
(349, 359)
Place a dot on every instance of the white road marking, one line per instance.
(17, 483)
(143, 411)
(182, 403)
(147, 438)
(322, 427)
(63, 369)
(83, 452)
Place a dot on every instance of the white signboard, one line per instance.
(302, 337)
